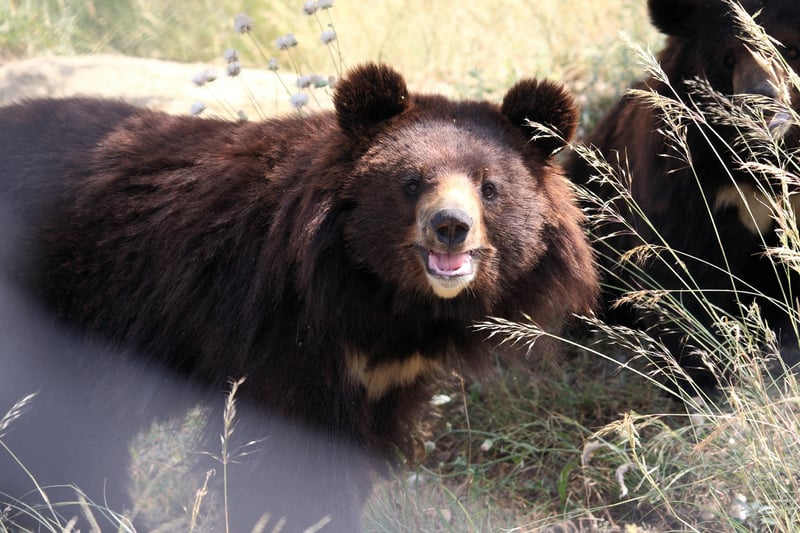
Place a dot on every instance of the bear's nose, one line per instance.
(451, 226)
(761, 87)
(751, 79)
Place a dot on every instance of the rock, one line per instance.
(154, 83)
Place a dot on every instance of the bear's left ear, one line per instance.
(368, 95)
(686, 18)
(544, 102)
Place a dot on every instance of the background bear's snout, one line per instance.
(451, 226)
(750, 78)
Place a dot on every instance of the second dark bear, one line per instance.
(337, 261)
(704, 41)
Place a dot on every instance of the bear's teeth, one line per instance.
(444, 264)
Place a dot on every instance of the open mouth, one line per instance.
(448, 265)
(449, 273)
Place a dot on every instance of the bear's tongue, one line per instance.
(444, 264)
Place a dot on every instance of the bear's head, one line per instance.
(706, 39)
(457, 199)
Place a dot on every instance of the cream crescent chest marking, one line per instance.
(380, 378)
(753, 207)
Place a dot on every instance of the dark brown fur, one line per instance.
(291, 252)
(703, 42)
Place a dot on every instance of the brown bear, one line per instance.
(338, 261)
(709, 211)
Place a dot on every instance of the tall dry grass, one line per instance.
(719, 463)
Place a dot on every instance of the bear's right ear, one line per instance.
(368, 95)
(547, 103)
(681, 18)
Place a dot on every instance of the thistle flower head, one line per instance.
(327, 36)
(304, 81)
(324, 4)
(231, 55)
(286, 41)
(299, 100)
(242, 23)
(197, 108)
(234, 68)
(206, 76)
(311, 79)
(272, 63)
(309, 8)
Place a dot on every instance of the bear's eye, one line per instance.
(412, 186)
(730, 59)
(488, 190)
(791, 53)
